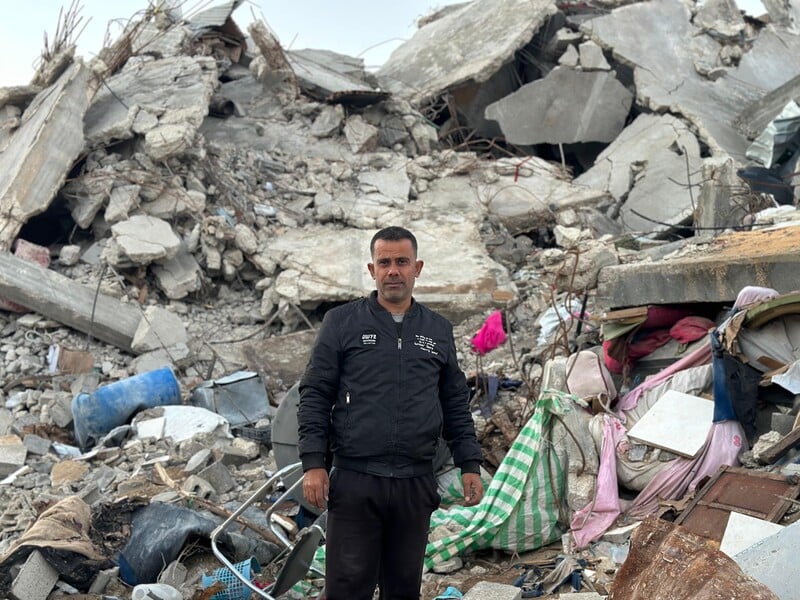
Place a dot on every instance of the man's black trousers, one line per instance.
(376, 534)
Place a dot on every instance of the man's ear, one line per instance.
(418, 268)
(371, 269)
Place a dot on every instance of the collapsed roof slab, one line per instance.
(469, 44)
(638, 143)
(41, 152)
(459, 278)
(176, 90)
(663, 195)
(565, 107)
(663, 61)
(527, 193)
(768, 258)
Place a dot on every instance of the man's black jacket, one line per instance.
(379, 396)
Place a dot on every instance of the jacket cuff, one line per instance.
(313, 460)
(470, 466)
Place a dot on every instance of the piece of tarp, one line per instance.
(520, 509)
(159, 533)
(61, 534)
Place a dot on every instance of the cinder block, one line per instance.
(36, 579)
(487, 590)
(36, 444)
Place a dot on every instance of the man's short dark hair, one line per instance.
(393, 234)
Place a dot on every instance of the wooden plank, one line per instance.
(780, 448)
(59, 298)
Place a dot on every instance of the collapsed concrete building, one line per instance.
(205, 195)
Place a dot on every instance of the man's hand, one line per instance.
(473, 488)
(315, 487)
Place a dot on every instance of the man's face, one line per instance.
(394, 267)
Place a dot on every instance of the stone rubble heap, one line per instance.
(206, 195)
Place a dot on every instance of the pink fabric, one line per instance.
(725, 441)
(701, 356)
(595, 518)
(491, 335)
(690, 329)
(752, 293)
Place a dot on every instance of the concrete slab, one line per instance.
(743, 531)
(663, 60)
(713, 272)
(773, 561)
(469, 44)
(566, 106)
(648, 134)
(459, 276)
(487, 590)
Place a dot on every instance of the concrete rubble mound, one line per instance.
(613, 182)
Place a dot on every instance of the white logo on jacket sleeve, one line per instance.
(425, 343)
(369, 339)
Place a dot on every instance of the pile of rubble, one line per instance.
(196, 198)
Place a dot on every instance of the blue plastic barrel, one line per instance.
(114, 404)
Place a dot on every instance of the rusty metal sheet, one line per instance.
(668, 562)
(754, 493)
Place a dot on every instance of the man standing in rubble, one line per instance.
(383, 383)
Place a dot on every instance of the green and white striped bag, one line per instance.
(520, 509)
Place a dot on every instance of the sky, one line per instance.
(370, 29)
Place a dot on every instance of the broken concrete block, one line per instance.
(69, 255)
(538, 114)
(36, 444)
(229, 455)
(219, 477)
(67, 472)
(197, 486)
(145, 239)
(121, 202)
(6, 420)
(86, 196)
(158, 328)
(246, 240)
(328, 122)
(198, 461)
(12, 455)
(469, 44)
(592, 58)
(721, 18)
(570, 58)
(361, 136)
(175, 202)
(169, 140)
(391, 182)
(487, 590)
(178, 276)
(36, 579)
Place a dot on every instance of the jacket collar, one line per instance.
(373, 302)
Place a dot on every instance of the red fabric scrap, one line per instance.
(690, 329)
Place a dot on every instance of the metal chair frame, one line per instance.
(289, 546)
